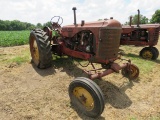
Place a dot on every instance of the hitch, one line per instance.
(128, 70)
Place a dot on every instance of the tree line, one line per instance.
(6, 25)
(144, 20)
(16, 25)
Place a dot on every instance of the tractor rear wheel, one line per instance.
(86, 96)
(40, 48)
(148, 53)
(131, 71)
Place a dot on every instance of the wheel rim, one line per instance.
(133, 72)
(147, 54)
(34, 51)
(84, 97)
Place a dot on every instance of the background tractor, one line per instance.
(95, 42)
(142, 35)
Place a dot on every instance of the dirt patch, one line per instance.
(29, 93)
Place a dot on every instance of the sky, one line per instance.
(41, 11)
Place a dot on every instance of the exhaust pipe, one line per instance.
(138, 22)
(74, 12)
(130, 21)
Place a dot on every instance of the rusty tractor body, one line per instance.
(95, 42)
(142, 35)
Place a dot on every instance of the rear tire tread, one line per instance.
(45, 55)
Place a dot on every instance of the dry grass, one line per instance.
(28, 93)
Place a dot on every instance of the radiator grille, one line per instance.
(156, 35)
(109, 41)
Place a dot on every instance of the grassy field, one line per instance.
(31, 93)
(13, 38)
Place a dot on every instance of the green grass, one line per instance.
(145, 66)
(18, 60)
(150, 118)
(23, 57)
(13, 38)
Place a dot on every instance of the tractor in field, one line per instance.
(95, 42)
(142, 35)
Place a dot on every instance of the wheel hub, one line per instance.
(35, 52)
(133, 71)
(84, 97)
(147, 55)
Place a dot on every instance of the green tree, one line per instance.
(39, 25)
(29, 26)
(2, 25)
(48, 24)
(143, 19)
(15, 25)
(156, 17)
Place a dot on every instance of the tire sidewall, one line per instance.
(98, 106)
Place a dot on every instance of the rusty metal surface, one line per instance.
(97, 42)
(71, 30)
(73, 53)
(151, 37)
(106, 38)
(131, 71)
(140, 34)
(102, 23)
(108, 45)
(114, 68)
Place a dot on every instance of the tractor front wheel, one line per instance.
(156, 51)
(149, 53)
(86, 96)
(131, 71)
(40, 48)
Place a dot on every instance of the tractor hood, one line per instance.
(149, 27)
(102, 23)
(142, 26)
(70, 30)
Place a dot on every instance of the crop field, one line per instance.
(13, 38)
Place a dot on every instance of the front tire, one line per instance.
(156, 51)
(40, 49)
(86, 96)
(131, 71)
(149, 53)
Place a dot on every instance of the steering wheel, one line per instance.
(56, 22)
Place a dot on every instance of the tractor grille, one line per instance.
(109, 43)
(156, 35)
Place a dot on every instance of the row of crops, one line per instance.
(13, 38)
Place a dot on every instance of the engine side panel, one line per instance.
(143, 35)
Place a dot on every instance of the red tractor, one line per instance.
(142, 35)
(95, 42)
